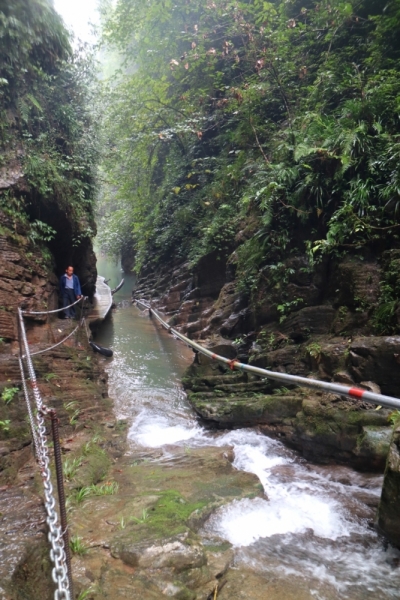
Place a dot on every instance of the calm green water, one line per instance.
(145, 372)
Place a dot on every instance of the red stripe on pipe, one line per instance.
(356, 393)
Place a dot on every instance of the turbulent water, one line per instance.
(315, 523)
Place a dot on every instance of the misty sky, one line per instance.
(77, 14)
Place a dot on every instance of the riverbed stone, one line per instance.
(24, 551)
(151, 526)
(179, 553)
(246, 410)
(373, 443)
(388, 512)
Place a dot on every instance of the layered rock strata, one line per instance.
(70, 379)
(321, 321)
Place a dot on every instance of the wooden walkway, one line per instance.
(102, 302)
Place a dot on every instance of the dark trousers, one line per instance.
(69, 298)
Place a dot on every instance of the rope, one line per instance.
(80, 324)
(349, 392)
(50, 312)
(58, 343)
(57, 552)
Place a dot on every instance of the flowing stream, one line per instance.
(316, 523)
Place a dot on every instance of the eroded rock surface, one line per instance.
(151, 526)
(388, 514)
(323, 427)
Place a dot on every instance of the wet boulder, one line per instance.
(312, 319)
(388, 512)
(355, 283)
(376, 358)
(178, 552)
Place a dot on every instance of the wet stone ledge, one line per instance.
(323, 427)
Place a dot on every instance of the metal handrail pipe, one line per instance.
(336, 388)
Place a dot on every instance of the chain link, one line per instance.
(57, 552)
(29, 407)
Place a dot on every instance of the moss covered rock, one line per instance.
(388, 513)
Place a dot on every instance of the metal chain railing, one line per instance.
(58, 535)
(348, 391)
(60, 574)
(29, 408)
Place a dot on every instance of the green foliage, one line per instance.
(143, 518)
(81, 494)
(77, 546)
(5, 425)
(108, 488)
(85, 594)
(233, 126)
(71, 466)
(287, 307)
(8, 394)
(394, 417)
(49, 376)
(282, 391)
(314, 350)
(384, 315)
(45, 129)
(41, 232)
(74, 412)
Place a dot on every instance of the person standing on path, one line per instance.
(70, 289)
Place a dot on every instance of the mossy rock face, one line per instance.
(374, 444)
(25, 568)
(324, 427)
(151, 525)
(168, 515)
(388, 512)
(246, 410)
(94, 468)
(32, 579)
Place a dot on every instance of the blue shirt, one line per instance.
(76, 284)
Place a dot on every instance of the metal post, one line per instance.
(79, 317)
(61, 495)
(50, 329)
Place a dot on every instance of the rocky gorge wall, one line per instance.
(321, 321)
(71, 380)
(318, 321)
